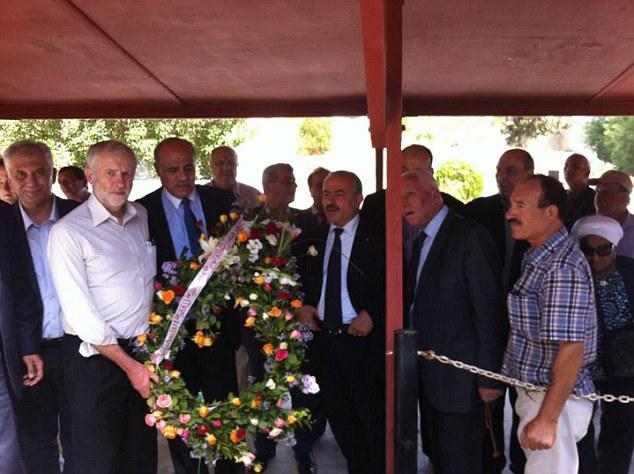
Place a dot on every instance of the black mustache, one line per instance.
(332, 208)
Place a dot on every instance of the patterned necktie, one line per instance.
(412, 270)
(332, 309)
(193, 231)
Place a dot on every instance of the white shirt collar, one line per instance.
(28, 222)
(350, 226)
(100, 214)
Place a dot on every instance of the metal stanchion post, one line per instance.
(405, 397)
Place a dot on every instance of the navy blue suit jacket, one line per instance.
(20, 319)
(215, 201)
(458, 311)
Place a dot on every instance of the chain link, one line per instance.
(431, 355)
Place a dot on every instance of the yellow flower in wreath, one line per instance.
(155, 318)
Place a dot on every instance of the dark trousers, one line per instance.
(516, 453)
(43, 413)
(454, 439)
(212, 371)
(616, 439)
(493, 461)
(304, 437)
(107, 416)
(353, 386)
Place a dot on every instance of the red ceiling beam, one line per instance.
(372, 29)
(230, 109)
(508, 106)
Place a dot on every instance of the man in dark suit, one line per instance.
(454, 301)
(314, 218)
(513, 166)
(414, 157)
(20, 328)
(580, 195)
(44, 408)
(345, 307)
(178, 213)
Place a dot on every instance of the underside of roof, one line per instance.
(240, 58)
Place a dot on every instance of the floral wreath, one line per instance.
(250, 267)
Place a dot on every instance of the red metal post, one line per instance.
(378, 172)
(393, 221)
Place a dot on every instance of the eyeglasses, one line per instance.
(601, 251)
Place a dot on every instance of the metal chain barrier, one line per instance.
(431, 355)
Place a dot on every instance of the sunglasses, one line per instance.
(601, 251)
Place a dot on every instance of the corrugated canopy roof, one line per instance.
(192, 58)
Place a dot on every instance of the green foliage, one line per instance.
(460, 180)
(518, 131)
(613, 141)
(69, 139)
(315, 135)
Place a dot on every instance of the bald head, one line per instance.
(577, 172)
(514, 166)
(416, 157)
(224, 167)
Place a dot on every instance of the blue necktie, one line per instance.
(332, 307)
(193, 231)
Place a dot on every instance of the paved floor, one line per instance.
(327, 454)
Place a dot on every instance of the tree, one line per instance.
(460, 180)
(315, 135)
(612, 139)
(69, 139)
(518, 131)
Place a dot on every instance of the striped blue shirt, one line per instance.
(552, 302)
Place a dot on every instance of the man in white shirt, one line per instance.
(103, 267)
(224, 167)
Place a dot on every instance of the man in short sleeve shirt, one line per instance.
(553, 329)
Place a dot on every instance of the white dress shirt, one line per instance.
(103, 272)
(348, 312)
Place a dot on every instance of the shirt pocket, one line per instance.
(523, 305)
(149, 267)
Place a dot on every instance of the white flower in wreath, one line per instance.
(254, 245)
(284, 280)
(270, 384)
(246, 459)
(207, 246)
(312, 251)
(271, 239)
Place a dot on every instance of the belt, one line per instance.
(52, 342)
(340, 331)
